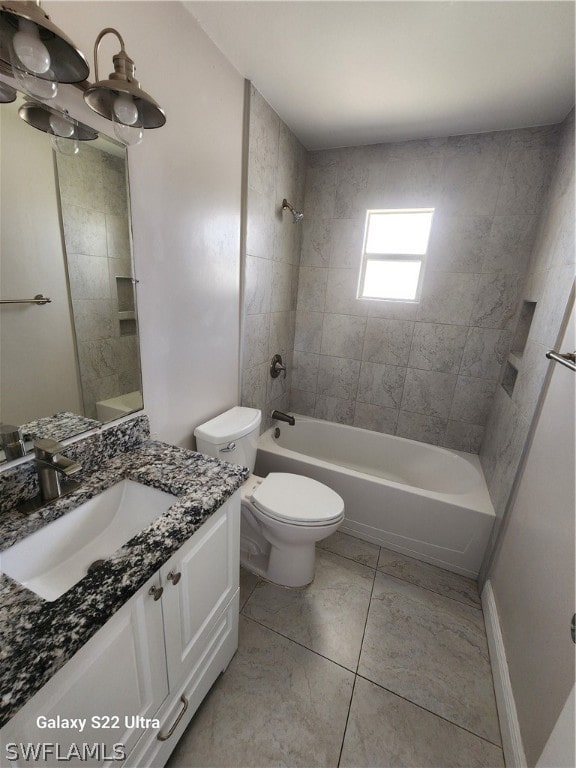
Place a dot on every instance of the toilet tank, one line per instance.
(232, 436)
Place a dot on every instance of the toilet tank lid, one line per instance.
(230, 425)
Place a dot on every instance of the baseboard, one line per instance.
(509, 725)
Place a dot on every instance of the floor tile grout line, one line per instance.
(346, 557)
(433, 591)
(346, 723)
(357, 665)
(431, 712)
(291, 640)
(399, 578)
(249, 596)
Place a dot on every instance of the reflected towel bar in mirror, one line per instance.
(38, 299)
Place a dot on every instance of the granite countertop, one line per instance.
(38, 637)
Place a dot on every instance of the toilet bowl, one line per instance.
(283, 515)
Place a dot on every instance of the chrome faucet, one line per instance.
(53, 470)
(284, 417)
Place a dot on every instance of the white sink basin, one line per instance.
(54, 558)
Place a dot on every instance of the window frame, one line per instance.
(403, 257)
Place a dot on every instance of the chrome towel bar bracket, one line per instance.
(564, 358)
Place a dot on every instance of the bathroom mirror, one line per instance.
(65, 233)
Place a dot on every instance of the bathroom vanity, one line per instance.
(125, 656)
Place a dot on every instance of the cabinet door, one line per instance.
(118, 676)
(199, 581)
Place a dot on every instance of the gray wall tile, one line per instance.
(376, 417)
(316, 243)
(346, 240)
(437, 347)
(388, 341)
(488, 191)
(497, 301)
(341, 290)
(381, 384)
(509, 244)
(312, 288)
(276, 169)
(343, 336)
(457, 243)
(463, 437)
(417, 426)
(305, 373)
(525, 180)
(428, 392)
(308, 336)
(258, 285)
(484, 353)
(542, 183)
(338, 377)
(472, 400)
(448, 297)
(256, 330)
(334, 409)
(302, 402)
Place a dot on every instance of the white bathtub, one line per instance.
(426, 502)
(115, 407)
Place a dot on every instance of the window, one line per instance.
(395, 245)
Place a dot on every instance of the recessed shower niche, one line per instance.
(523, 328)
(514, 362)
(126, 305)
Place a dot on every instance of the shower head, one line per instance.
(297, 216)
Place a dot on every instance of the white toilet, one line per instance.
(283, 515)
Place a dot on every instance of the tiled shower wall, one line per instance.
(94, 202)
(276, 170)
(427, 370)
(549, 283)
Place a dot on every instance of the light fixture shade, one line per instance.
(7, 93)
(102, 96)
(38, 116)
(120, 98)
(67, 63)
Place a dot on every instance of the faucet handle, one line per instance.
(45, 448)
(276, 366)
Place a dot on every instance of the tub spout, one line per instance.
(284, 417)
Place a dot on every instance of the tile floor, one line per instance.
(381, 662)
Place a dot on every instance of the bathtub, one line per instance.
(115, 407)
(426, 502)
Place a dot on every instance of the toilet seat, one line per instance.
(297, 500)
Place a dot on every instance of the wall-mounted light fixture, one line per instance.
(63, 129)
(39, 56)
(49, 120)
(7, 93)
(121, 99)
(37, 52)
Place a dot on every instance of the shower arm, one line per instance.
(298, 215)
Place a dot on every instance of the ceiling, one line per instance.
(346, 73)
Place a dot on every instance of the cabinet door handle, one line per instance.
(163, 736)
(156, 592)
(174, 577)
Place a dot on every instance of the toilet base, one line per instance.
(259, 565)
(282, 553)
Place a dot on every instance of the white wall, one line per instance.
(185, 187)
(533, 576)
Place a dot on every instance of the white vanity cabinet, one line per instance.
(138, 681)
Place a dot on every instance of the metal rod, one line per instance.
(38, 299)
(567, 358)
